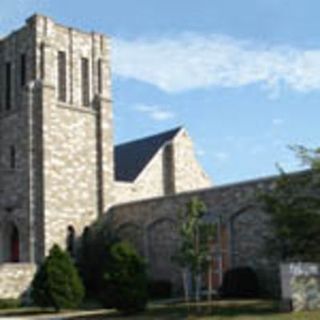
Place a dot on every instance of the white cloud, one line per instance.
(157, 113)
(193, 61)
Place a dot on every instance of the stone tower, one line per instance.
(56, 149)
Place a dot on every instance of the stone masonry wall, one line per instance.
(15, 279)
(77, 139)
(151, 226)
(14, 128)
(189, 175)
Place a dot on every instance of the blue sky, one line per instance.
(242, 76)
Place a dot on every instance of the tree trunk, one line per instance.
(209, 281)
(198, 286)
(185, 284)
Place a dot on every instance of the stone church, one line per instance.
(60, 170)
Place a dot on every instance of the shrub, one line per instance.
(160, 289)
(240, 283)
(57, 283)
(126, 280)
(9, 303)
(93, 258)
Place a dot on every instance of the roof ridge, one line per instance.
(177, 129)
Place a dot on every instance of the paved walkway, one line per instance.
(62, 316)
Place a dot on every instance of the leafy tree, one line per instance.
(57, 283)
(294, 209)
(126, 279)
(195, 244)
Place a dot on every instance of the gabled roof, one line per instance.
(132, 157)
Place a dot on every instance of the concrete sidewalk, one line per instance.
(58, 316)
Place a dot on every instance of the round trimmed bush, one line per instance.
(240, 283)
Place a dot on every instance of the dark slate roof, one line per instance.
(132, 157)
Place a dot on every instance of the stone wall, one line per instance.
(151, 226)
(15, 279)
(14, 141)
(189, 175)
(77, 140)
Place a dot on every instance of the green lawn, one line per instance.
(224, 310)
(218, 310)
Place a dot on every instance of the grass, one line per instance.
(218, 310)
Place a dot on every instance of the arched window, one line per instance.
(70, 240)
(14, 245)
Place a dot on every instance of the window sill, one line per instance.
(74, 108)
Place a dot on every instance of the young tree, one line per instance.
(294, 209)
(194, 247)
(57, 283)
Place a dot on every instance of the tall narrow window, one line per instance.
(62, 77)
(23, 70)
(12, 157)
(85, 81)
(100, 76)
(8, 86)
(71, 240)
(42, 61)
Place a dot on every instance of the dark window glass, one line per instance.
(100, 76)
(23, 70)
(14, 245)
(62, 77)
(8, 86)
(12, 157)
(42, 61)
(71, 240)
(85, 81)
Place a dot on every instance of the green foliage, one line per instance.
(57, 283)
(240, 283)
(194, 248)
(93, 258)
(294, 209)
(195, 237)
(9, 303)
(126, 279)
